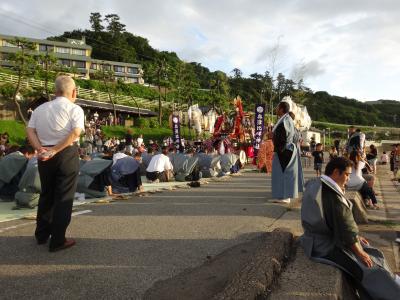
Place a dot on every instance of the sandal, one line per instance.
(376, 207)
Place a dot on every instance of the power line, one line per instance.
(40, 27)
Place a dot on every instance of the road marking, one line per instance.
(76, 213)
(195, 203)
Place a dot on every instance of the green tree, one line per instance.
(47, 69)
(96, 22)
(106, 75)
(24, 64)
(220, 89)
(115, 27)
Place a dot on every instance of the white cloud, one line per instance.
(348, 48)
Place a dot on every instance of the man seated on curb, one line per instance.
(160, 167)
(331, 235)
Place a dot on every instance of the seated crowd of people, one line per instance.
(114, 170)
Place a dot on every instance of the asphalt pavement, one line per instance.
(124, 247)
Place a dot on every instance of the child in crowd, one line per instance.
(318, 159)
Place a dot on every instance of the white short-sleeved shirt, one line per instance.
(54, 120)
(159, 163)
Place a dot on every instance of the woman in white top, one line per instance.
(357, 181)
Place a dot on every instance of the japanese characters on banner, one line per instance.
(259, 126)
(176, 132)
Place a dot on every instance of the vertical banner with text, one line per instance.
(176, 132)
(258, 126)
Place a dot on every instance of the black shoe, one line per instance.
(41, 242)
(67, 244)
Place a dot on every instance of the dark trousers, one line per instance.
(58, 178)
(132, 181)
(284, 158)
(157, 175)
(368, 193)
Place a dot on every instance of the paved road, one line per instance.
(124, 247)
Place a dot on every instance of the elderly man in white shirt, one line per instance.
(160, 167)
(54, 130)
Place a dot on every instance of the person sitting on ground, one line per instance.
(358, 183)
(120, 154)
(160, 167)
(29, 187)
(318, 159)
(126, 176)
(384, 158)
(12, 168)
(94, 178)
(186, 166)
(331, 236)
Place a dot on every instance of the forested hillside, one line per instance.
(192, 82)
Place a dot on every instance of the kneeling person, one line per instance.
(160, 167)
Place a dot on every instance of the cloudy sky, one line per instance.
(348, 48)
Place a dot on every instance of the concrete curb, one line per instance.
(305, 279)
(244, 271)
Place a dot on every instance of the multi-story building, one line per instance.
(74, 54)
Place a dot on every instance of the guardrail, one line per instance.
(92, 94)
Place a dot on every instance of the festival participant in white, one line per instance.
(285, 169)
(53, 130)
(160, 167)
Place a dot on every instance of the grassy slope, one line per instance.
(15, 129)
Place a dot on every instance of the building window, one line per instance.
(106, 67)
(132, 70)
(45, 48)
(93, 66)
(132, 80)
(119, 69)
(4, 56)
(79, 64)
(65, 62)
(62, 50)
(8, 44)
(79, 52)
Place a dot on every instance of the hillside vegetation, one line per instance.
(190, 82)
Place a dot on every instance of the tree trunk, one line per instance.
(46, 81)
(21, 115)
(159, 99)
(137, 105)
(111, 100)
(113, 106)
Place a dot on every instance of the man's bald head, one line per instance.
(65, 86)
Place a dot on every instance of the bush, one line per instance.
(165, 123)
(153, 123)
(142, 123)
